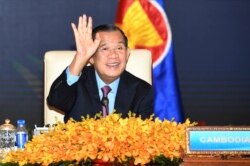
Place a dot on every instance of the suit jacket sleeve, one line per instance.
(61, 95)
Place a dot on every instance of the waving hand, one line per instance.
(85, 46)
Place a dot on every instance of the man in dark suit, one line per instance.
(77, 91)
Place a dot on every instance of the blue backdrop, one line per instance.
(211, 40)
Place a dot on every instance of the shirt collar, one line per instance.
(113, 85)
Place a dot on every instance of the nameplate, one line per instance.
(219, 140)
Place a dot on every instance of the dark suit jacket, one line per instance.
(82, 98)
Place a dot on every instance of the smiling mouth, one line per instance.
(115, 64)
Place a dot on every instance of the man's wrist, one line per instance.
(71, 79)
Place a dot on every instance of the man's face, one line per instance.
(111, 57)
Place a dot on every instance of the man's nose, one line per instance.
(113, 52)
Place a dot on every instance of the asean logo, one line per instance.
(146, 26)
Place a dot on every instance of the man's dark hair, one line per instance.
(109, 28)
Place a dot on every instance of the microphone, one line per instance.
(105, 101)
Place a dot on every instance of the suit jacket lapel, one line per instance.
(93, 91)
(124, 96)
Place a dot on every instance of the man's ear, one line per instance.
(128, 54)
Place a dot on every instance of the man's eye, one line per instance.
(121, 48)
(103, 49)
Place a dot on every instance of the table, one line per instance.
(215, 161)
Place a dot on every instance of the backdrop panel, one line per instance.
(211, 42)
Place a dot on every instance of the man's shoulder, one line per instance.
(134, 79)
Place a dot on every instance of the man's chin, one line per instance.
(114, 71)
(112, 77)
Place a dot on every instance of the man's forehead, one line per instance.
(111, 38)
(103, 43)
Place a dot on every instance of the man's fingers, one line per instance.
(83, 33)
(74, 29)
(76, 34)
(97, 36)
(97, 40)
(89, 26)
(79, 24)
(84, 24)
